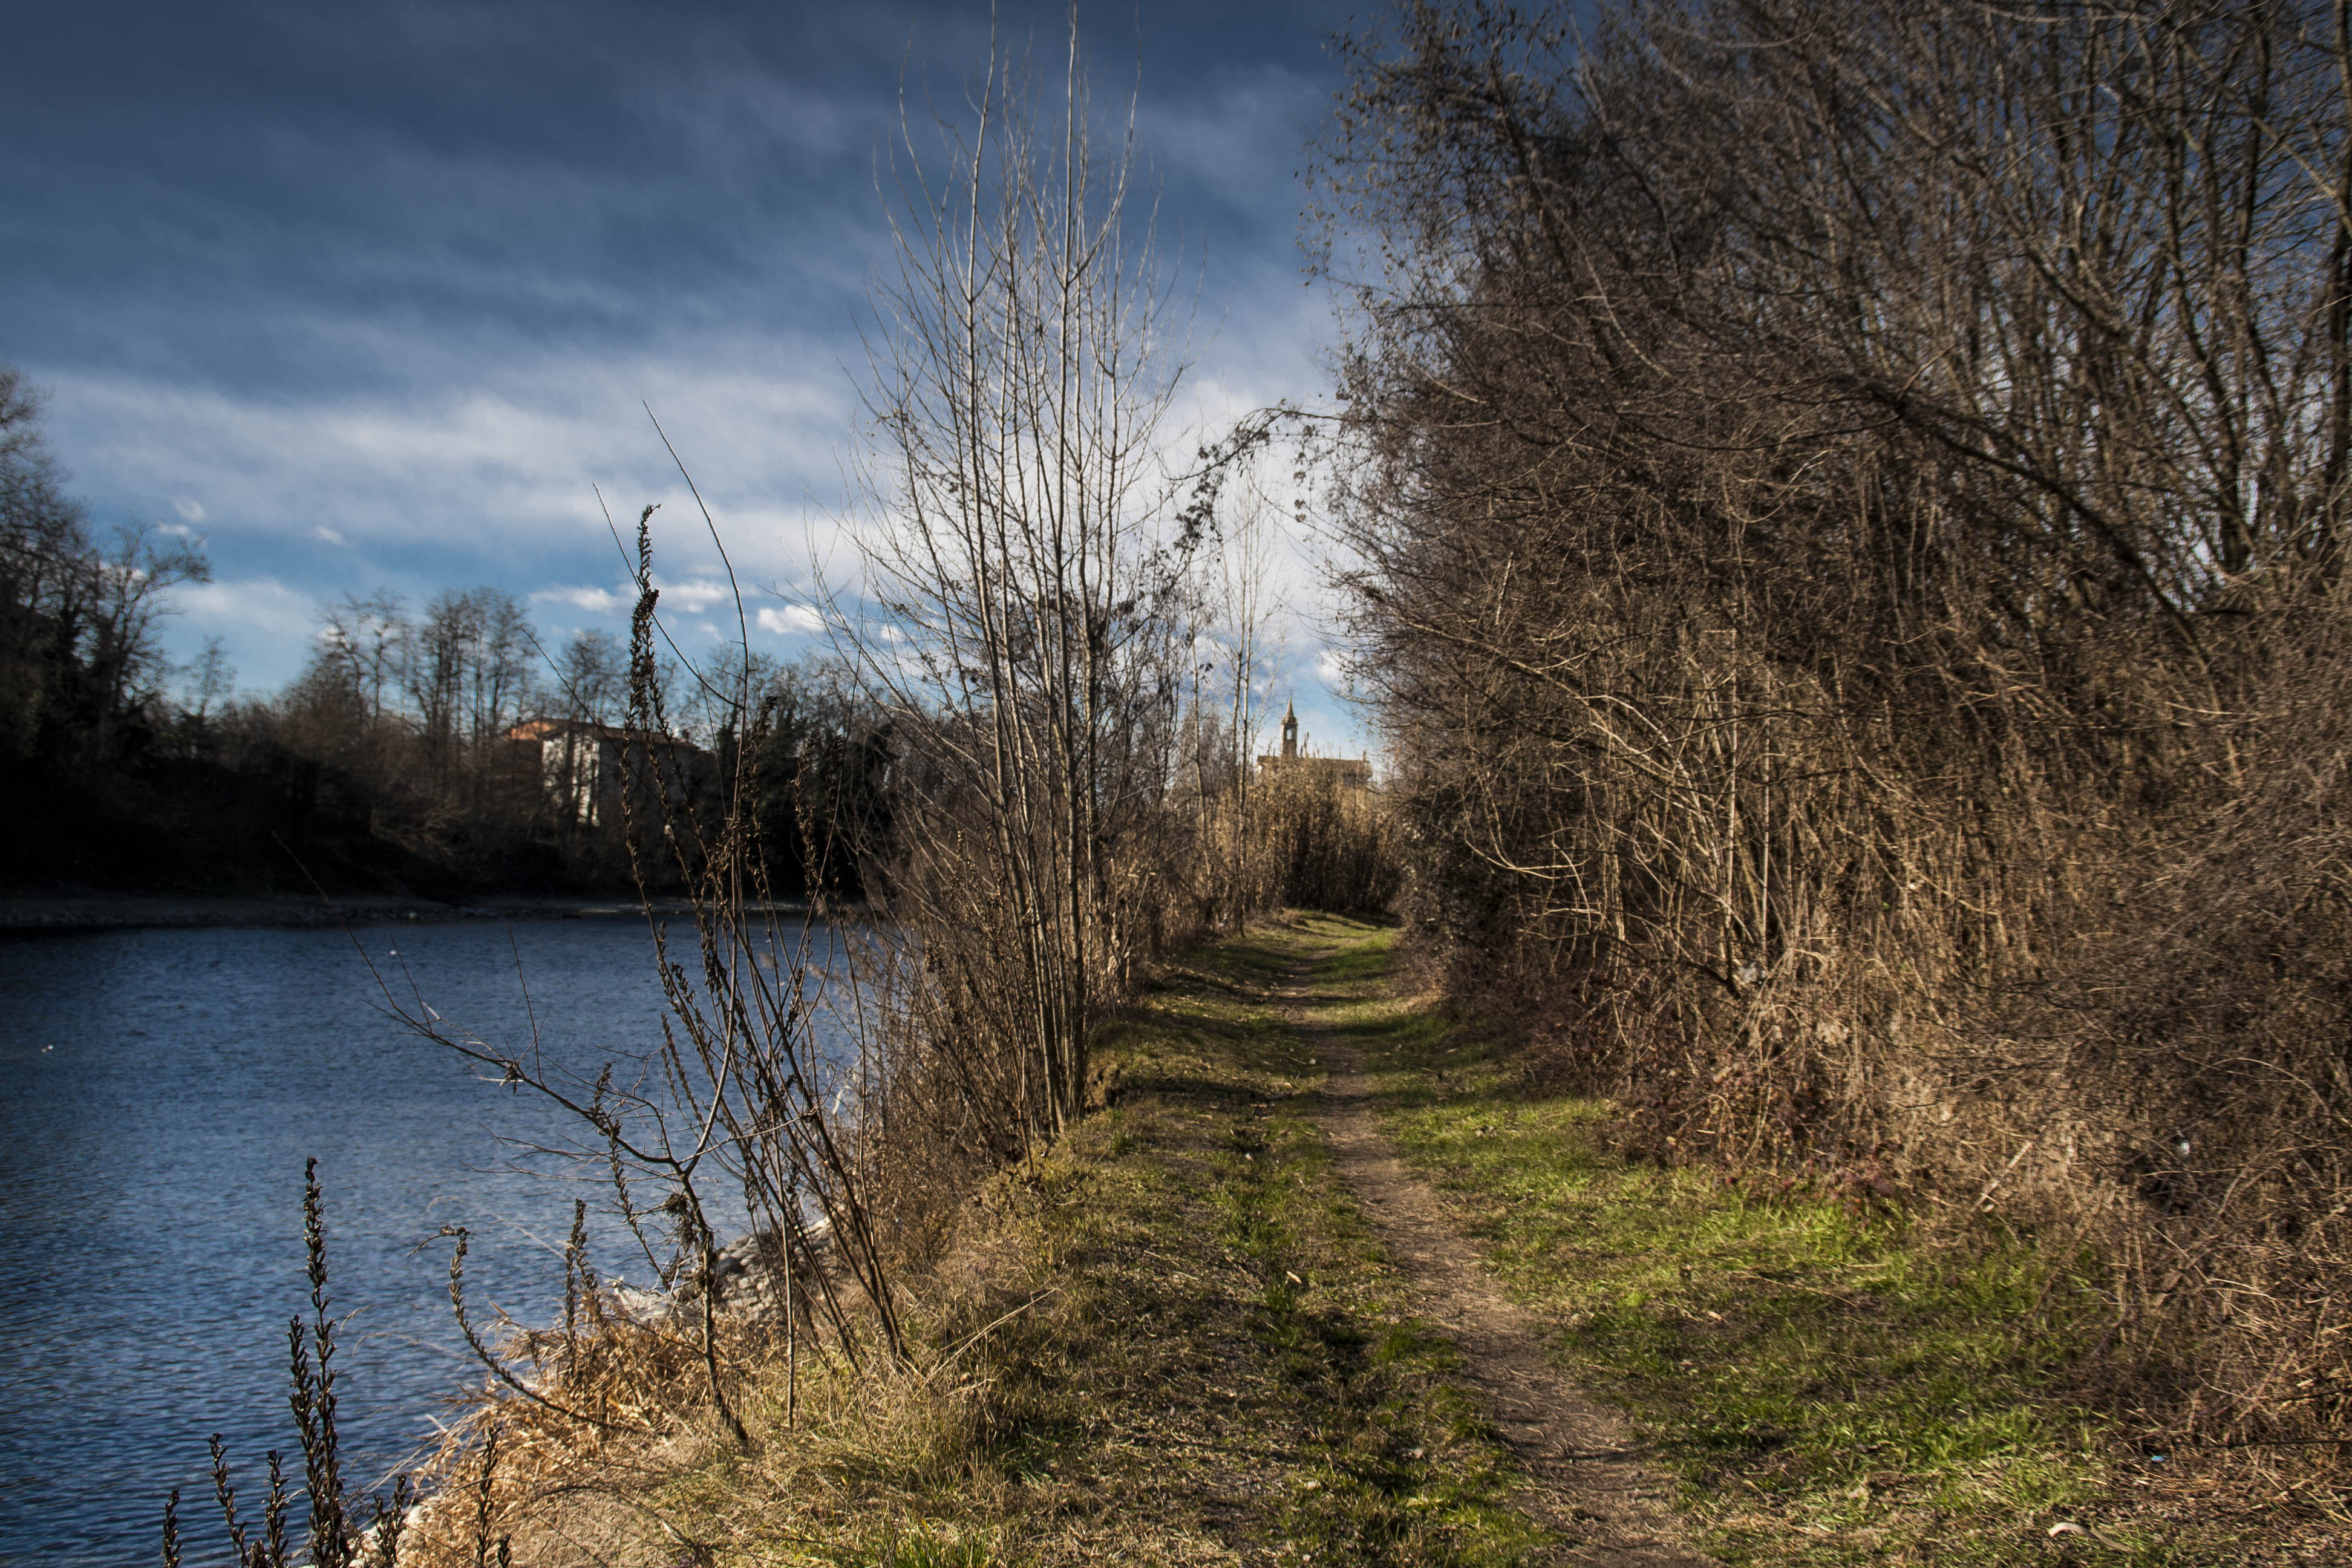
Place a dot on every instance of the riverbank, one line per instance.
(1328, 1281)
(62, 913)
(1174, 1340)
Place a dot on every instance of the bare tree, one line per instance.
(372, 638)
(80, 664)
(210, 678)
(1239, 656)
(1021, 571)
(467, 680)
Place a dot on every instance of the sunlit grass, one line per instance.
(1176, 1338)
(1216, 1363)
(1833, 1388)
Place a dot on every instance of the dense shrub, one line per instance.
(1850, 505)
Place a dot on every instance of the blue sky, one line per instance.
(370, 296)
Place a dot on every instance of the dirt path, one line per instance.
(1585, 1481)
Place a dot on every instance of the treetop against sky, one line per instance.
(371, 297)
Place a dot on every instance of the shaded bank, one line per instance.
(63, 913)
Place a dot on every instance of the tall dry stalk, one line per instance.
(336, 1536)
(744, 1111)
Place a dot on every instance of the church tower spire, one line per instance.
(1290, 731)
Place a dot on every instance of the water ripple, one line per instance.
(159, 1091)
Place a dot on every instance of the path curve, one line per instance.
(1585, 1479)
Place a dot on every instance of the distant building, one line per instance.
(581, 766)
(1351, 773)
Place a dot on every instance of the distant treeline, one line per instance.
(444, 750)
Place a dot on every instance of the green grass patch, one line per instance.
(1833, 1388)
(1179, 1344)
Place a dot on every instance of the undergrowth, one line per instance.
(1171, 1339)
(1836, 1383)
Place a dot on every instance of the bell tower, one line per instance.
(1290, 731)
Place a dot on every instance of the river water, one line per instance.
(158, 1092)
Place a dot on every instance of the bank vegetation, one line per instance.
(1850, 504)
(1052, 672)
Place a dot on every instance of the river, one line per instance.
(159, 1093)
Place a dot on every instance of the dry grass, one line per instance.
(1839, 1381)
(1171, 1340)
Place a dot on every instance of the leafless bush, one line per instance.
(1022, 614)
(1326, 843)
(748, 1112)
(1849, 520)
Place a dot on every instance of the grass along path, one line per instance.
(1582, 1476)
(1174, 1341)
(1217, 1326)
(1832, 1389)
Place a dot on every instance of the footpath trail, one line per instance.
(1322, 1282)
(1584, 1480)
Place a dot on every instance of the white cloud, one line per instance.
(693, 596)
(483, 454)
(790, 620)
(596, 601)
(247, 606)
(466, 460)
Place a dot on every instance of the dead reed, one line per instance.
(336, 1535)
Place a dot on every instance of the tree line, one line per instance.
(443, 748)
(82, 675)
(391, 763)
(1850, 510)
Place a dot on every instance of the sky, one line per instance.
(374, 296)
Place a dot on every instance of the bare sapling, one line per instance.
(1239, 654)
(1021, 616)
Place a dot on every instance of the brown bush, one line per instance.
(1325, 845)
(1848, 519)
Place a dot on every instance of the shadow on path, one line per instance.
(1585, 1481)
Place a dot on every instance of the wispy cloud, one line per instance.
(247, 610)
(790, 620)
(596, 601)
(692, 597)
